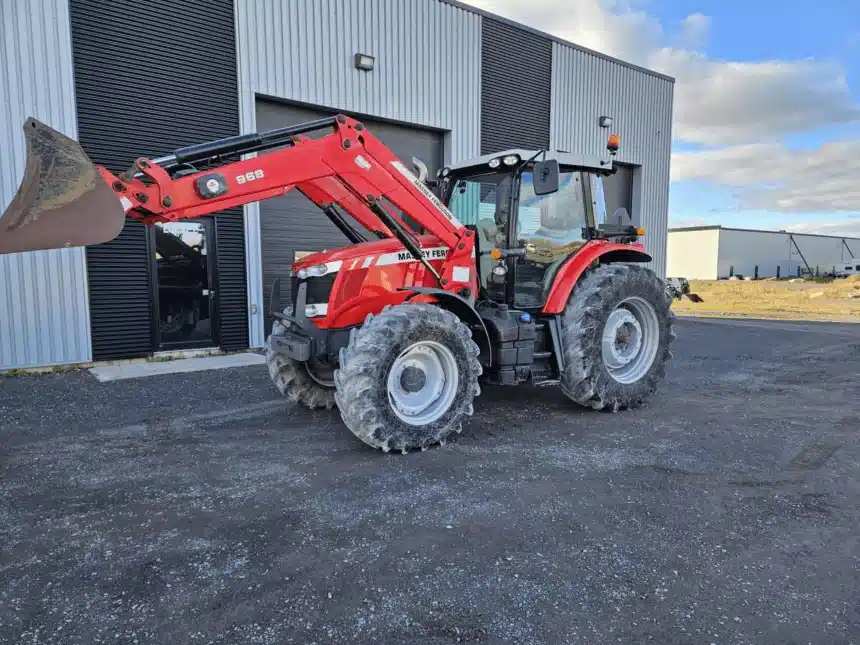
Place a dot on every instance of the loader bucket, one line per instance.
(63, 201)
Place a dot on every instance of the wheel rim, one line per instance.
(422, 383)
(320, 372)
(630, 340)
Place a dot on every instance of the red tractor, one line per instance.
(399, 328)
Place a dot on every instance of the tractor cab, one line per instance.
(532, 211)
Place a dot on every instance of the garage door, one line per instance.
(618, 191)
(293, 223)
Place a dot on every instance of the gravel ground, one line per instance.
(200, 508)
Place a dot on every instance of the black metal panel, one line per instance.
(516, 87)
(618, 191)
(293, 223)
(151, 77)
(232, 289)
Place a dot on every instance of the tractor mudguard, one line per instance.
(569, 273)
(63, 200)
(464, 311)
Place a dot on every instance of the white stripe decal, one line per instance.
(367, 262)
(427, 193)
(401, 257)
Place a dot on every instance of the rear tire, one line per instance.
(293, 378)
(408, 377)
(616, 337)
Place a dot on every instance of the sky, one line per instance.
(766, 130)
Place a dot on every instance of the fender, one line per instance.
(464, 311)
(570, 272)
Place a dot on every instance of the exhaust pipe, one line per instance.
(63, 200)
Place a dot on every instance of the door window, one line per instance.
(185, 294)
(550, 228)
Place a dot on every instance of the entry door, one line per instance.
(184, 263)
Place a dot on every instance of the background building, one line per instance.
(129, 79)
(711, 252)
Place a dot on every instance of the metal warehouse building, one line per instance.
(712, 252)
(128, 79)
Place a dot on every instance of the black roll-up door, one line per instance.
(151, 77)
(293, 223)
(516, 88)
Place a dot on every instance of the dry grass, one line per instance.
(783, 300)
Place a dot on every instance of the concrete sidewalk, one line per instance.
(156, 368)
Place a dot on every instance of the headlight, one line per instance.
(494, 163)
(510, 160)
(500, 269)
(446, 172)
(317, 270)
(301, 274)
(310, 310)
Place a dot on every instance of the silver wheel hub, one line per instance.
(622, 338)
(422, 383)
(630, 340)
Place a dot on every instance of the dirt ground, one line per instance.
(200, 508)
(836, 300)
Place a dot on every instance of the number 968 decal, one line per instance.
(249, 176)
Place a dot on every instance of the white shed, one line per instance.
(712, 252)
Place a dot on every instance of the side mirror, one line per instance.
(546, 177)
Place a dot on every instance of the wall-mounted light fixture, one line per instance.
(606, 122)
(364, 62)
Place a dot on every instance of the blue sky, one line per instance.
(767, 100)
(769, 30)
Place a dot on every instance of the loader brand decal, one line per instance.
(249, 176)
(361, 162)
(427, 193)
(438, 253)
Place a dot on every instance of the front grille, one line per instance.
(318, 290)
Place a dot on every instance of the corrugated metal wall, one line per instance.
(44, 314)
(585, 87)
(428, 72)
(741, 251)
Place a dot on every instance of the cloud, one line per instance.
(716, 102)
(694, 31)
(845, 228)
(769, 176)
(685, 222)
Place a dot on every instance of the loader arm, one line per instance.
(348, 167)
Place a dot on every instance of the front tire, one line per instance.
(616, 337)
(298, 381)
(407, 378)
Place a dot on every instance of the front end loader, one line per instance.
(400, 328)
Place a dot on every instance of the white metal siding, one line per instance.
(586, 87)
(428, 72)
(44, 313)
(692, 254)
(744, 250)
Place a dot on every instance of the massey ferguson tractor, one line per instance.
(502, 270)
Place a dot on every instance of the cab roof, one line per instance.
(570, 159)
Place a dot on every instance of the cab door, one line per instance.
(550, 228)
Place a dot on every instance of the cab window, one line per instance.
(550, 228)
